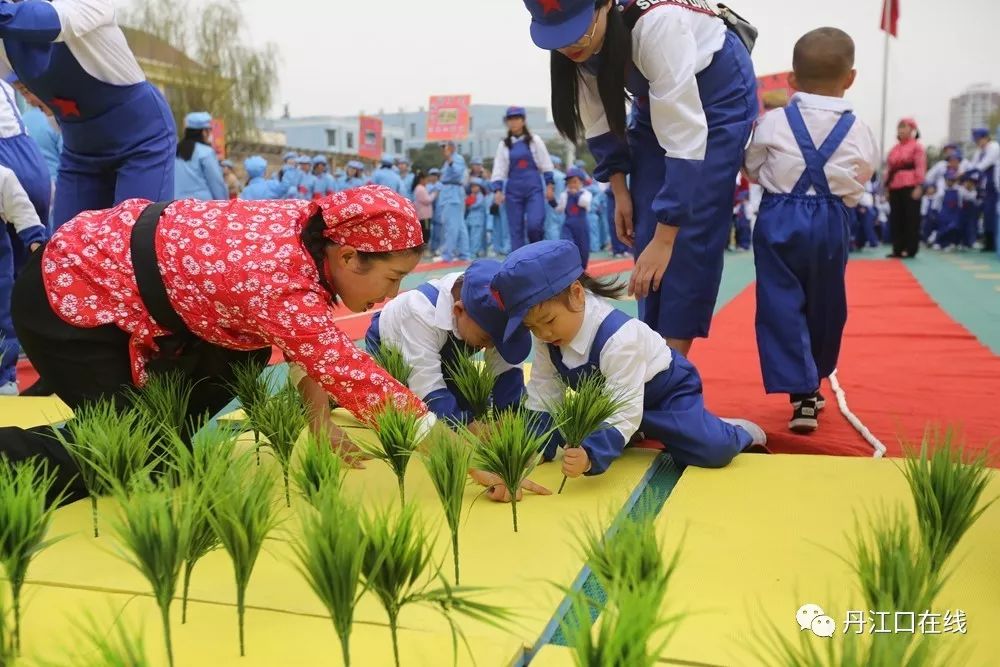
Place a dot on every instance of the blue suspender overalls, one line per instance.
(576, 228)
(524, 197)
(801, 243)
(449, 404)
(673, 412)
(948, 220)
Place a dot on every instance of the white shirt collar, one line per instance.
(823, 102)
(595, 310)
(444, 312)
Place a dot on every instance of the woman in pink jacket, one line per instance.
(905, 172)
(423, 200)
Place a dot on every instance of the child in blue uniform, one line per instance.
(475, 217)
(434, 323)
(197, 172)
(575, 204)
(577, 331)
(971, 211)
(950, 215)
(801, 239)
(323, 183)
(929, 214)
(257, 186)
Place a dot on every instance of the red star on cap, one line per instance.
(549, 6)
(496, 295)
(66, 108)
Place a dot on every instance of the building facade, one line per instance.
(973, 108)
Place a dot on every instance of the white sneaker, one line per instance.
(755, 431)
(8, 389)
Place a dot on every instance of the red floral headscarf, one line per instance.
(371, 218)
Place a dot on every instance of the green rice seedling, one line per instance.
(111, 447)
(626, 633)
(510, 447)
(251, 389)
(397, 429)
(390, 357)
(164, 403)
(93, 646)
(447, 461)
(946, 491)
(331, 553)
(281, 419)
(155, 530)
(892, 570)
(585, 410)
(24, 521)
(474, 380)
(242, 513)
(320, 470)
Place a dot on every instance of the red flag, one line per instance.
(890, 16)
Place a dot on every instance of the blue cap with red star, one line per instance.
(559, 23)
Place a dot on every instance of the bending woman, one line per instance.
(694, 103)
(198, 286)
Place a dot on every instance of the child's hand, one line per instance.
(498, 492)
(34, 246)
(575, 461)
(550, 191)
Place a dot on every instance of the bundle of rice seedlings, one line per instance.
(242, 512)
(24, 521)
(251, 389)
(397, 429)
(320, 470)
(390, 357)
(281, 419)
(331, 552)
(164, 403)
(398, 569)
(510, 447)
(155, 530)
(111, 447)
(626, 632)
(893, 571)
(946, 491)
(447, 461)
(94, 647)
(474, 380)
(585, 410)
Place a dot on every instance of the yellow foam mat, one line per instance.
(522, 570)
(28, 411)
(766, 535)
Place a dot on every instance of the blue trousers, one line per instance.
(577, 230)
(525, 214)
(990, 215)
(553, 224)
(800, 252)
(456, 234)
(9, 347)
(969, 225)
(742, 233)
(682, 308)
(476, 223)
(501, 232)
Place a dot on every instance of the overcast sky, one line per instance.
(343, 56)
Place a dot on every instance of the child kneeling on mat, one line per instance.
(576, 332)
(802, 235)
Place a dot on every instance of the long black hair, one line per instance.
(615, 57)
(509, 140)
(185, 147)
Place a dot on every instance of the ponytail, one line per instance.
(615, 57)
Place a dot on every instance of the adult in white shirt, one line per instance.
(986, 161)
(695, 100)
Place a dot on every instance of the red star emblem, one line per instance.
(496, 295)
(522, 164)
(549, 6)
(65, 108)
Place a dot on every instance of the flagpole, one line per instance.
(887, 22)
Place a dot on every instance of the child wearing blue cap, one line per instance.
(575, 203)
(197, 173)
(443, 318)
(475, 217)
(813, 159)
(576, 331)
(257, 186)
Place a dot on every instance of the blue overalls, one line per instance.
(701, 191)
(524, 197)
(21, 154)
(949, 220)
(48, 138)
(801, 243)
(969, 221)
(448, 403)
(501, 232)
(475, 218)
(119, 140)
(553, 218)
(673, 412)
(576, 227)
(451, 209)
(742, 228)
(200, 177)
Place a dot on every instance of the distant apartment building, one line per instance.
(973, 108)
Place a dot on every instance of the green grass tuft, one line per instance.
(320, 470)
(475, 381)
(281, 419)
(397, 429)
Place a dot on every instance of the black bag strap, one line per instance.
(147, 272)
(633, 10)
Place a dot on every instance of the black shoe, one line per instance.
(805, 416)
(820, 401)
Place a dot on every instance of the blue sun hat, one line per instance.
(198, 120)
(255, 166)
(479, 301)
(532, 274)
(576, 172)
(980, 133)
(559, 23)
(515, 112)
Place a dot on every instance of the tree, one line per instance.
(232, 81)
(428, 157)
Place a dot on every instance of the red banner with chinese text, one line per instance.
(448, 118)
(370, 143)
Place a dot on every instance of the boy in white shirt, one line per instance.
(813, 161)
(15, 209)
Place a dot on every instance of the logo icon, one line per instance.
(812, 617)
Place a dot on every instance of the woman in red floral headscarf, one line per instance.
(200, 285)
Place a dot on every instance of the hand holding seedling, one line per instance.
(576, 461)
(498, 491)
